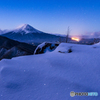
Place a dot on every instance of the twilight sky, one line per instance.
(52, 16)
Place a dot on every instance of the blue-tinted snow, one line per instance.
(52, 76)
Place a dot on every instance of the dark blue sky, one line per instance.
(53, 16)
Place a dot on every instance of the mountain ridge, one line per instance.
(11, 48)
(28, 34)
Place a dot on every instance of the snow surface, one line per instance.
(40, 46)
(53, 75)
(47, 49)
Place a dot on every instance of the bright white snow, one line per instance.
(53, 75)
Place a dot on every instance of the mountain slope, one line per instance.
(1, 32)
(27, 33)
(10, 48)
(25, 29)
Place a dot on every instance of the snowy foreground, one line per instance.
(53, 75)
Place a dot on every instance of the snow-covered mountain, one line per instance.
(26, 33)
(25, 29)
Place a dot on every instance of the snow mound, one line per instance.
(97, 45)
(65, 47)
(53, 75)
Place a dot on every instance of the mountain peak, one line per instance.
(26, 28)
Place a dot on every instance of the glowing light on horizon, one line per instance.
(75, 39)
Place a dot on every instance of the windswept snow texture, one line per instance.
(52, 76)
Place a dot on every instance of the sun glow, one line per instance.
(76, 39)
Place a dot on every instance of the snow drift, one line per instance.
(53, 75)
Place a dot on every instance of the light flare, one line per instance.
(75, 38)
